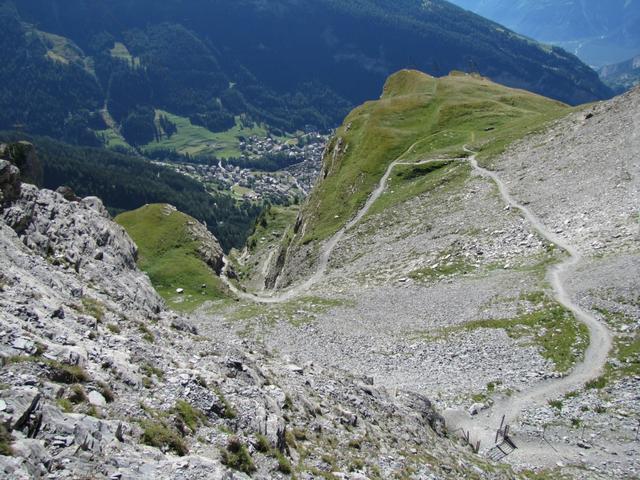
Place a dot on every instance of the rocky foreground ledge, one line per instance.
(99, 380)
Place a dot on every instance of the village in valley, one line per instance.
(253, 177)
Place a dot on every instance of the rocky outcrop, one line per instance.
(9, 182)
(80, 236)
(209, 249)
(100, 381)
(23, 156)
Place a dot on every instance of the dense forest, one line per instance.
(286, 64)
(126, 183)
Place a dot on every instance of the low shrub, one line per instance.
(158, 434)
(237, 456)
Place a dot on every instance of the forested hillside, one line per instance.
(126, 183)
(282, 63)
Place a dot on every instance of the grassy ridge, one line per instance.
(169, 255)
(418, 117)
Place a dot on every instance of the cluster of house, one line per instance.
(306, 146)
(282, 186)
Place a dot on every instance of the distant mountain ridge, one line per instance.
(622, 76)
(599, 32)
(287, 64)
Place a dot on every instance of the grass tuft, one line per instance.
(5, 441)
(94, 308)
(262, 444)
(192, 417)
(158, 434)
(557, 404)
(237, 456)
(113, 328)
(597, 383)
(63, 373)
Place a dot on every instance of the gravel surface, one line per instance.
(581, 180)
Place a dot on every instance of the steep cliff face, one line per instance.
(99, 380)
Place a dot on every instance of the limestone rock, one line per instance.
(209, 249)
(97, 399)
(67, 193)
(9, 182)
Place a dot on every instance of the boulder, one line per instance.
(9, 182)
(38, 460)
(97, 399)
(67, 193)
(476, 408)
(95, 204)
(183, 326)
(21, 403)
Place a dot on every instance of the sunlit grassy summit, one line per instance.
(418, 117)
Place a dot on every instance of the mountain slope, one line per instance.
(215, 61)
(598, 32)
(177, 253)
(100, 381)
(622, 76)
(504, 280)
(417, 117)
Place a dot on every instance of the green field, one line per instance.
(240, 191)
(168, 254)
(61, 49)
(121, 52)
(419, 117)
(195, 140)
(113, 139)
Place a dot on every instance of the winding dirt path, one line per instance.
(483, 427)
(327, 248)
